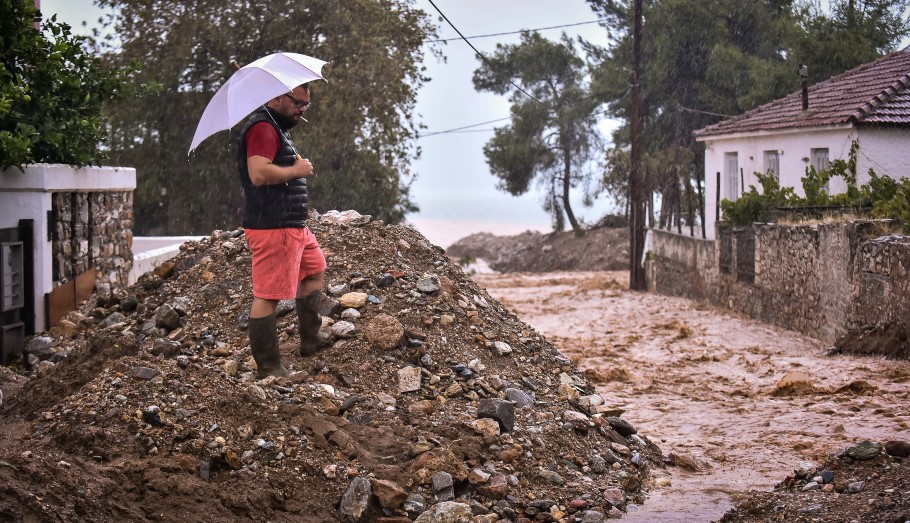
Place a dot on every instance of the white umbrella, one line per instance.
(252, 86)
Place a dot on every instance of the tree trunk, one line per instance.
(566, 184)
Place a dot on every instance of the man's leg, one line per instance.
(309, 292)
(263, 331)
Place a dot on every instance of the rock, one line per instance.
(578, 420)
(864, 450)
(40, 346)
(500, 410)
(900, 449)
(443, 487)
(355, 501)
(478, 476)
(688, 462)
(501, 348)
(428, 284)
(446, 512)
(114, 319)
(409, 379)
(353, 300)
(343, 329)
(383, 332)
(615, 497)
(593, 516)
(510, 454)
(388, 493)
(144, 373)
(551, 477)
(496, 488)
(856, 486)
(350, 314)
(519, 397)
(486, 427)
(414, 505)
(811, 486)
(167, 318)
(623, 427)
(598, 464)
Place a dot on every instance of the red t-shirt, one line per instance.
(262, 140)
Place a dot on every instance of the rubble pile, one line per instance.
(865, 482)
(434, 403)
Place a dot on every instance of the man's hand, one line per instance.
(264, 172)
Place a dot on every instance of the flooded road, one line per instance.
(736, 403)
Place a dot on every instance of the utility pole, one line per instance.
(636, 210)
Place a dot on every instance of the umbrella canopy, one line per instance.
(252, 86)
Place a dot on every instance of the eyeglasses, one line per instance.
(299, 103)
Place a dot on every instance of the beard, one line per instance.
(283, 121)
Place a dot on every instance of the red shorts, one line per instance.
(281, 259)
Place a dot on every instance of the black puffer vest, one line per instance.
(272, 206)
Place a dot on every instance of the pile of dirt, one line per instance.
(865, 483)
(435, 403)
(600, 249)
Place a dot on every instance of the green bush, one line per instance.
(51, 92)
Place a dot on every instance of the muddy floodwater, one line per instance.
(739, 403)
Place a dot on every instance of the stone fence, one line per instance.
(93, 229)
(819, 279)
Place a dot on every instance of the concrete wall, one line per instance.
(151, 251)
(819, 279)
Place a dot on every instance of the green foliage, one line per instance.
(886, 197)
(362, 124)
(551, 137)
(754, 206)
(52, 91)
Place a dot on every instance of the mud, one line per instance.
(734, 403)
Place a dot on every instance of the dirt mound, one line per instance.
(602, 249)
(891, 340)
(864, 482)
(144, 404)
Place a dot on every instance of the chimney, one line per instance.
(804, 76)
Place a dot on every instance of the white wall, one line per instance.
(793, 146)
(27, 195)
(886, 150)
(151, 251)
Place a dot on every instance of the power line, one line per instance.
(479, 54)
(518, 32)
(462, 128)
(465, 127)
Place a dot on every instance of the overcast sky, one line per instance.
(456, 193)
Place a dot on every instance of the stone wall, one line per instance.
(819, 279)
(92, 229)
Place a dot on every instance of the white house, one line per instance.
(869, 104)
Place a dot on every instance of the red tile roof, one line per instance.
(874, 93)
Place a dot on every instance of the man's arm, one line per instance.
(264, 172)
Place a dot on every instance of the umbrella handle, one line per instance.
(237, 68)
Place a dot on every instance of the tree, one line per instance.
(848, 34)
(552, 134)
(51, 91)
(362, 124)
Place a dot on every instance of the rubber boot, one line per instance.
(264, 345)
(310, 323)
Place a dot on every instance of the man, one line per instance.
(287, 260)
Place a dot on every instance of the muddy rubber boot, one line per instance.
(264, 345)
(310, 322)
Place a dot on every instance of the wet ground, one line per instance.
(737, 403)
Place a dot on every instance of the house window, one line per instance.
(731, 167)
(819, 159)
(772, 164)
